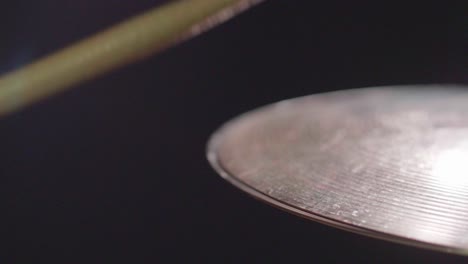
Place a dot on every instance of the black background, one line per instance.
(115, 170)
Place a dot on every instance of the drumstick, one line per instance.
(122, 44)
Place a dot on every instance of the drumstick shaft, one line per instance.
(127, 42)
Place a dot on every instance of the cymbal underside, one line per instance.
(385, 162)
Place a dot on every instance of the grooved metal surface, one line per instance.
(385, 162)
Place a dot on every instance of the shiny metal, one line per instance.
(386, 162)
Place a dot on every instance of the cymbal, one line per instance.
(389, 162)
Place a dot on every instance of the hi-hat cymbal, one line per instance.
(386, 162)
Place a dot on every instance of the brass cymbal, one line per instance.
(388, 162)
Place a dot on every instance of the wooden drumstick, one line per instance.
(122, 44)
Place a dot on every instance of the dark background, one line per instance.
(114, 171)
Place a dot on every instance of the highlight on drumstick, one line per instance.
(122, 44)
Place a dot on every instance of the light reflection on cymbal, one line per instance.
(451, 167)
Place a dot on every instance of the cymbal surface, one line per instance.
(386, 162)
